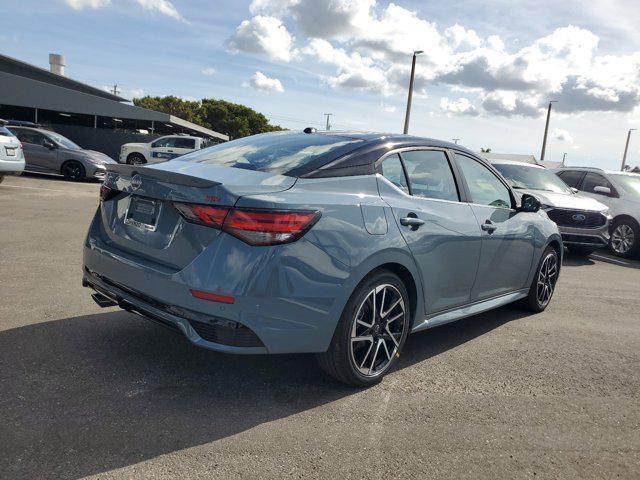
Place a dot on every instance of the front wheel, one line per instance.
(544, 282)
(371, 332)
(73, 171)
(136, 159)
(625, 238)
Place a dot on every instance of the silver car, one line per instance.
(620, 191)
(11, 157)
(49, 152)
(583, 221)
(340, 244)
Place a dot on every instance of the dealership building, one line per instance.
(91, 117)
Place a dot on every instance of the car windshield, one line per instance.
(629, 183)
(534, 178)
(63, 141)
(273, 152)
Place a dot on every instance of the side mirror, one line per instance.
(602, 190)
(574, 189)
(48, 144)
(529, 204)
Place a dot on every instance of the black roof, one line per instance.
(361, 159)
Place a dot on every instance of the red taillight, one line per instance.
(255, 227)
(203, 214)
(264, 227)
(107, 193)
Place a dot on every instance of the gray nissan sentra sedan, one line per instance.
(340, 244)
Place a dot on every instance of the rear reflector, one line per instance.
(203, 214)
(213, 297)
(255, 227)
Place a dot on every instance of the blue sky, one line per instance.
(488, 69)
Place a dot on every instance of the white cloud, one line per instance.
(367, 45)
(164, 7)
(388, 108)
(562, 135)
(262, 35)
(259, 81)
(461, 106)
(208, 71)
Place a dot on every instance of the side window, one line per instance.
(593, 180)
(392, 170)
(28, 136)
(571, 177)
(484, 186)
(430, 175)
(185, 143)
(163, 142)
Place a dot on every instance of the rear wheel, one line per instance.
(73, 171)
(371, 332)
(582, 251)
(544, 282)
(625, 238)
(136, 159)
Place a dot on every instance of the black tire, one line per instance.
(533, 301)
(136, 159)
(629, 229)
(1, 178)
(339, 361)
(73, 171)
(581, 251)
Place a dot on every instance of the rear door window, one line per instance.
(392, 170)
(430, 175)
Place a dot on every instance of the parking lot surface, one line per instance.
(102, 393)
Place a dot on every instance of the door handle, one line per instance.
(412, 222)
(170, 151)
(488, 226)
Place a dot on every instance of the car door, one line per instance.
(161, 150)
(40, 153)
(440, 230)
(507, 236)
(183, 145)
(588, 187)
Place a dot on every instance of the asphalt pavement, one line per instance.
(100, 393)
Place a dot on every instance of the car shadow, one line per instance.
(89, 394)
(58, 178)
(599, 256)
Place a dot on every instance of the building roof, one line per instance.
(24, 85)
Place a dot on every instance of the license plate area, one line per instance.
(143, 213)
(11, 152)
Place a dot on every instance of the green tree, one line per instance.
(225, 117)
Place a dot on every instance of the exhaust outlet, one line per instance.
(103, 301)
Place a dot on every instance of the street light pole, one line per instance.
(546, 131)
(626, 149)
(413, 71)
(328, 115)
(455, 140)
(564, 156)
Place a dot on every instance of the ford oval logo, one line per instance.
(578, 217)
(136, 182)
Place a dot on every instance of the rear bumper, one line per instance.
(588, 237)
(11, 167)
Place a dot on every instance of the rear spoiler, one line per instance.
(161, 175)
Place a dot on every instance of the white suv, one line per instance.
(161, 149)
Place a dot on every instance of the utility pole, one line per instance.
(328, 115)
(409, 97)
(546, 131)
(455, 140)
(564, 156)
(626, 149)
(115, 90)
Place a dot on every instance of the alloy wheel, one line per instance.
(547, 278)
(622, 239)
(72, 171)
(377, 330)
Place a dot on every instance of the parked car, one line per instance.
(161, 149)
(583, 221)
(50, 152)
(11, 157)
(620, 191)
(335, 243)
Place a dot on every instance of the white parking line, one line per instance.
(37, 188)
(609, 259)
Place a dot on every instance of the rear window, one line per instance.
(5, 132)
(273, 152)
